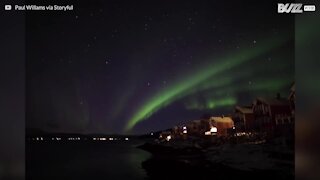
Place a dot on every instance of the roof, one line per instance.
(274, 101)
(244, 109)
(222, 119)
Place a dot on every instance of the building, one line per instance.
(244, 118)
(271, 113)
(196, 127)
(220, 125)
(166, 135)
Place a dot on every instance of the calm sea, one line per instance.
(85, 160)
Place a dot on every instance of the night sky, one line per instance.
(139, 66)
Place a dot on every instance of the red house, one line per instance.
(271, 112)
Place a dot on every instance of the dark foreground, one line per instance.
(123, 160)
(85, 160)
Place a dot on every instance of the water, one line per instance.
(119, 160)
(90, 160)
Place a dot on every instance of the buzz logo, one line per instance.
(289, 8)
(294, 8)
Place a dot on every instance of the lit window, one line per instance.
(213, 129)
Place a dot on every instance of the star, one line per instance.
(254, 41)
(149, 84)
(250, 83)
(107, 62)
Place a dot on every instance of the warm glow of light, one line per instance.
(168, 138)
(184, 131)
(213, 129)
(126, 139)
(207, 133)
(151, 134)
(110, 139)
(233, 127)
(184, 128)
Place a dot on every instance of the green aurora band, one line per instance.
(194, 82)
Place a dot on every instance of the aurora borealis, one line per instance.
(136, 67)
(201, 80)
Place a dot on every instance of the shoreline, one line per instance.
(222, 162)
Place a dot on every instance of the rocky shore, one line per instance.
(185, 160)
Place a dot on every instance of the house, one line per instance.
(244, 118)
(270, 113)
(221, 125)
(196, 127)
(165, 135)
(180, 132)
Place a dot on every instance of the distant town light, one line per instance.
(184, 131)
(103, 139)
(213, 129)
(126, 139)
(151, 134)
(184, 128)
(207, 133)
(233, 127)
(110, 139)
(168, 138)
